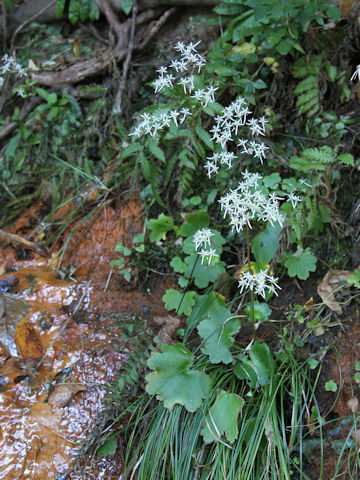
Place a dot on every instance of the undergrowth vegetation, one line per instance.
(240, 160)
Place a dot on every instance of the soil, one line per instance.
(69, 347)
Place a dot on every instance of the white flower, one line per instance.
(162, 70)
(20, 92)
(202, 236)
(258, 282)
(294, 199)
(356, 74)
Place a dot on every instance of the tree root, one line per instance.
(87, 68)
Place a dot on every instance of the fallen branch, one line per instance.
(118, 100)
(13, 238)
(76, 73)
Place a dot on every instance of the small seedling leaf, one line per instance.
(126, 5)
(108, 447)
(330, 386)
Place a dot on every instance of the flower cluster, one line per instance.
(10, 66)
(190, 61)
(203, 237)
(151, 124)
(247, 203)
(179, 72)
(259, 283)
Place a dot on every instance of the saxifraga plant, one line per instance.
(227, 412)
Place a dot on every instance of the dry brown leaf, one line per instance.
(63, 393)
(355, 434)
(27, 343)
(12, 310)
(346, 6)
(332, 282)
(353, 405)
(168, 330)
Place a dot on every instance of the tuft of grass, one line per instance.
(164, 444)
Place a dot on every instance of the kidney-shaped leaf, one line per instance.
(257, 369)
(173, 381)
(217, 331)
(222, 418)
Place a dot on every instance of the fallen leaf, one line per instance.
(353, 405)
(346, 6)
(167, 332)
(331, 283)
(27, 343)
(63, 393)
(12, 310)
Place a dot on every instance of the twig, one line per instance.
(120, 29)
(117, 107)
(27, 108)
(27, 21)
(92, 31)
(155, 27)
(13, 238)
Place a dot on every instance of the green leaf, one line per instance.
(109, 446)
(355, 278)
(262, 312)
(333, 12)
(178, 265)
(84, 10)
(300, 263)
(59, 8)
(205, 137)
(203, 274)
(130, 149)
(217, 331)
(126, 5)
(262, 361)
(272, 181)
(74, 11)
(156, 150)
(173, 381)
(258, 369)
(194, 222)
(182, 303)
(222, 418)
(94, 13)
(160, 227)
(330, 386)
(266, 243)
(346, 158)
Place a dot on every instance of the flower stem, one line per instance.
(252, 297)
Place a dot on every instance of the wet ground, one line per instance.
(61, 346)
(60, 330)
